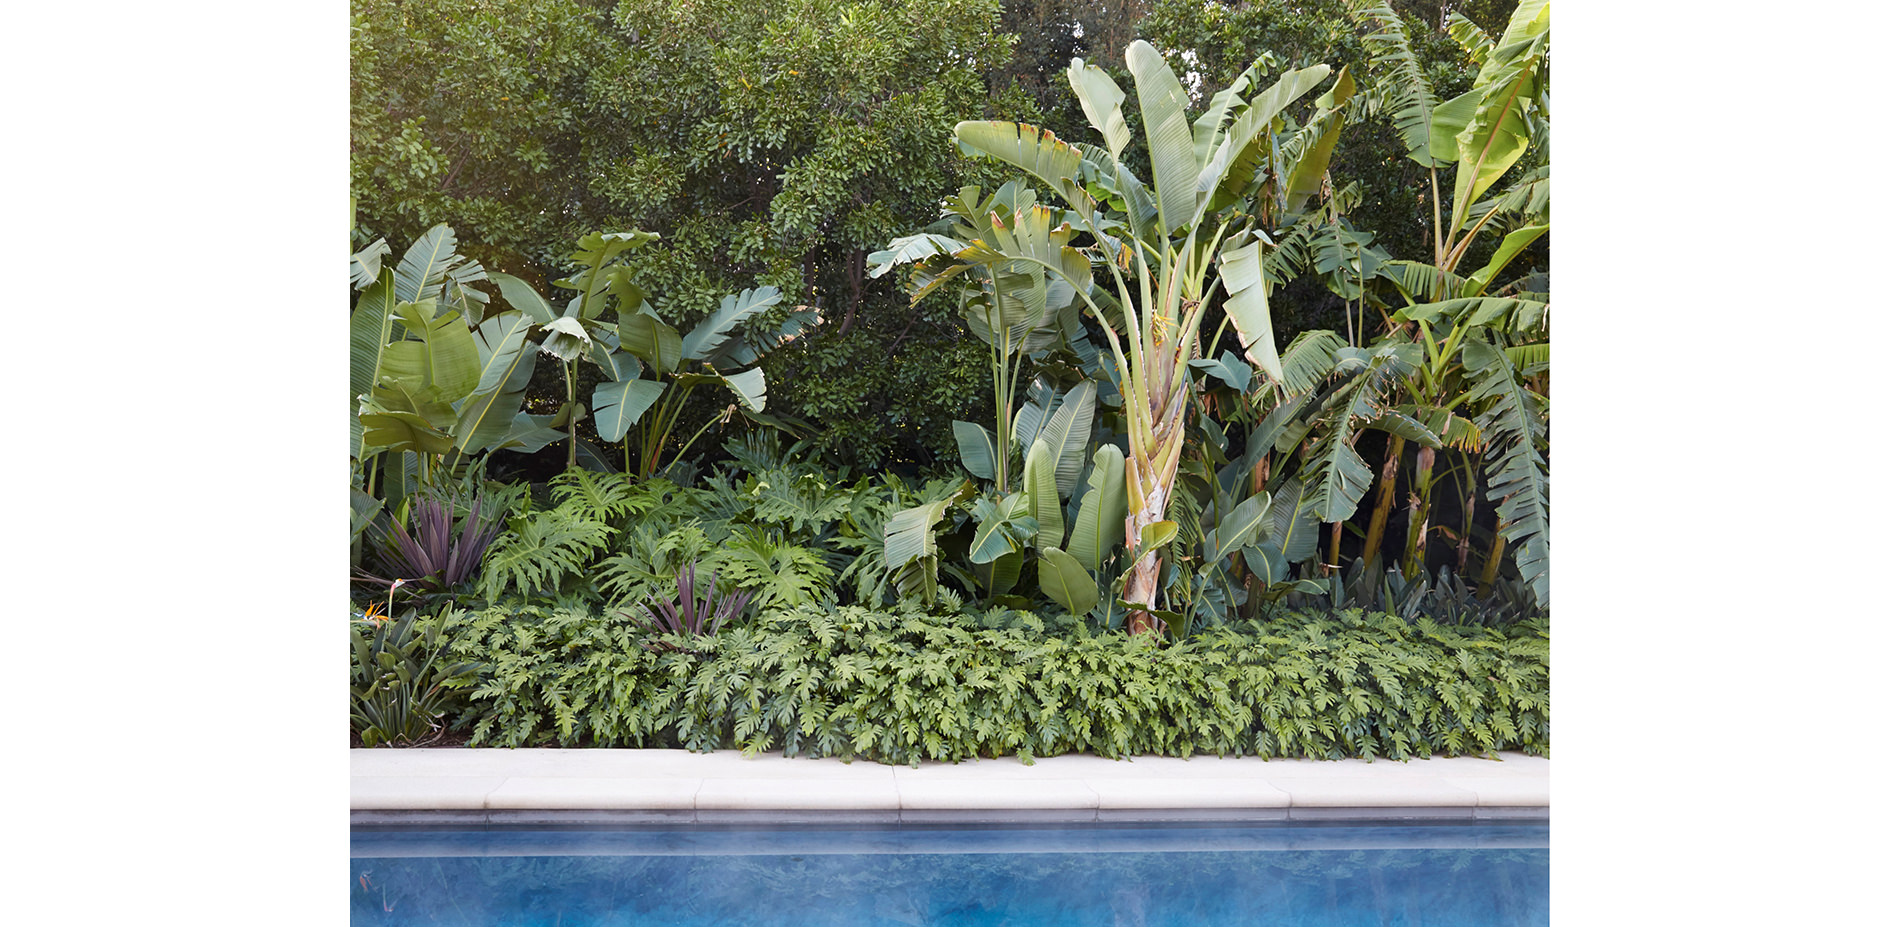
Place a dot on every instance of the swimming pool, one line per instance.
(1347, 874)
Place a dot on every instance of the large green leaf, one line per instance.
(1307, 176)
(1039, 481)
(749, 387)
(1067, 435)
(522, 297)
(444, 363)
(366, 266)
(652, 340)
(1513, 244)
(528, 433)
(501, 351)
(1246, 306)
(1065, 582)
(371, 325)
(712, 332)
(1292, 531)
(910, 535)
(426, 264)
(1101, 101)
(977, 448)
(398, 430)
(1099, 521)
(999, 531)
(618, 405)
(1024, 147)
(999, 576)
(1170, 142)
(1239, 528)
(566, 339)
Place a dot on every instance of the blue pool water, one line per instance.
(1469, 875)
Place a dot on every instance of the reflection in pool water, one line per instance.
(1396, 876)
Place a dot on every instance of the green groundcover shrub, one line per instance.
(905, 686)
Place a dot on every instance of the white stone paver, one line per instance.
(726, 782)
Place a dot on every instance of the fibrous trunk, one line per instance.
(1382, 508)
(1150, 485)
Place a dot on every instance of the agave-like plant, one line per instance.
(689, 614)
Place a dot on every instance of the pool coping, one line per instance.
(619, 787)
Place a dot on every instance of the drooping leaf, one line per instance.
(652, 340)
(1246, 306)
(1024, 147)
(443, 364)
(910, 248)
(1065, 582)
(618, 405)
(522, 297)
(976, 446)
(366, 266)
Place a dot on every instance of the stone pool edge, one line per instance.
(619, 787)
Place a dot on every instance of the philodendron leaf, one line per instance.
(618, 405)
(977, 447)
(1064, 581)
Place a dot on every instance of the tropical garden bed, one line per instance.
(1136, 514)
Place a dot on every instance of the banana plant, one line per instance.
(1482, 351)
(1166, 247)
(635, 340)
(434, 371)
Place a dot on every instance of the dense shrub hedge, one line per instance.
(904, 687)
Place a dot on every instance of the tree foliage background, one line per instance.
(780, 143)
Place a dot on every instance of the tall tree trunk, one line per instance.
(1382, 507)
